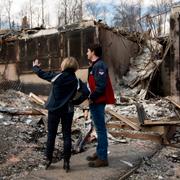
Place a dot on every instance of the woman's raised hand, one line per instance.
(36, 62)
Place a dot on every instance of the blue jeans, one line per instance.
(98, 117)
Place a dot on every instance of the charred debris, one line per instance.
(144, 69)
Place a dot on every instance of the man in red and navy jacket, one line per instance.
(101, 94)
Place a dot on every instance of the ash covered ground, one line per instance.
(23, 141)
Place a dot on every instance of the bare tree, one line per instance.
(75, 11)
(31, 13)
(81, 10)
(47, 19)
(126, 15)
(35, 12)
(62, 11)
(23, 13)
(160, 6)
(94, 9)
(8, 6)
(0, 20)
(159, 11)
(37, 16)
(24, 10)
(78, 10)
(69, 11)
(64, 3)
(58, 12)
(104, 13)
(28, 11)
(25, 23)
(1, 14)
(42, 11)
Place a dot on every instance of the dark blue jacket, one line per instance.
(63, 87)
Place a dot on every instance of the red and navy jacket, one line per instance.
(100, 84)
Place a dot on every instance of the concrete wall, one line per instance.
(175, 54)
(117, 52)
(9, 71)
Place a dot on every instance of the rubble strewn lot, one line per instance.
(165, 165)
(23, 123)
(23, 138)
(20, 148)
(23, 135)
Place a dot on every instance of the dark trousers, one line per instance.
(53, 122)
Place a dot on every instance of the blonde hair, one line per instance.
(69, 62)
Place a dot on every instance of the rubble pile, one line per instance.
(23, 135)
(139, 115)
(135, 83)
(155, 108)
(163, 165)
(20, 150)
(156, 119)
(23, 131)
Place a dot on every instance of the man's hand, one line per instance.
(90, 101)
(36, 63)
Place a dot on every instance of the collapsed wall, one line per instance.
(118, 50)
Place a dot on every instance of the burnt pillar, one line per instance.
(175, 54)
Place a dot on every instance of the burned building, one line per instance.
(50, 46)
(19, 49)
(139, 65)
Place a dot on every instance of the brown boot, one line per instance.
(98, 163)
(92, 158)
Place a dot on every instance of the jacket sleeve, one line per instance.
(100, 76)
(42, 74)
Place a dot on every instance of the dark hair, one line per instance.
(97, 49)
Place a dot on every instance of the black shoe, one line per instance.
(47, 163)
(66, 165)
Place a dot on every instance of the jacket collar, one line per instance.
(96, 61)
(70, 70)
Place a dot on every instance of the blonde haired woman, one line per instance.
(64, 87)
